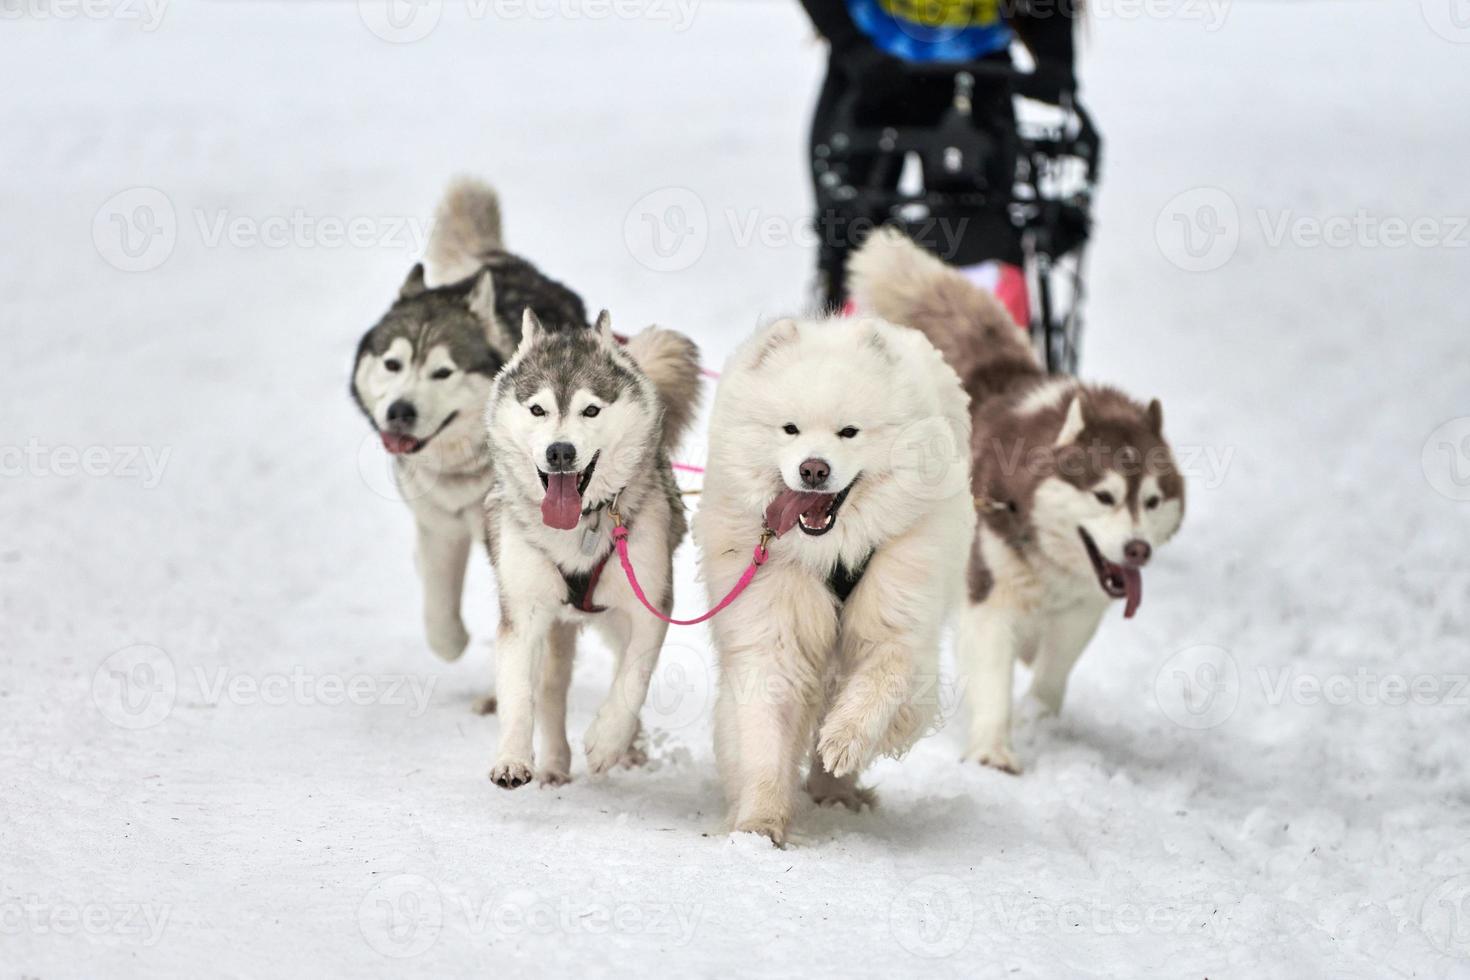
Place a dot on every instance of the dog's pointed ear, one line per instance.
(481, 302)
(603, 326)
(531, 328)
(1074, 423)
(1156, 417)
(772, 338)
(414, 284)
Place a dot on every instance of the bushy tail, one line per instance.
(466, 229)
(899, 281)
(671, 361)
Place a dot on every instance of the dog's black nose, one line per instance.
(561, 456)
(814, 472)
(403, 412)
(1137, 553)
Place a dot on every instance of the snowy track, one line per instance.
(1264, 774)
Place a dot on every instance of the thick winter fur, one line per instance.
(422, 376)
(621, 409)
(1054, 460)
(802, 671)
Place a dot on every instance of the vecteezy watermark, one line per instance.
(37, 460)
(1200, 230)
(1103, 918)
(1198, 687)
(1363, 687)
(135, 687)
(403, 916)
(138, 923)
(1450, 19)
(667, 230)
(682, 688)
(938, 20)
(407, 21)
(148, 14)
(1445, 915)
(1445, 459)
(932, 916)
(930, 459)
(137, 230)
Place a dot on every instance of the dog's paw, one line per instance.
(843, 749)
(557, 776)
(843, 793)
(447, 638)
(772, 829)
(510, 774)
(609, 740)
(997, 756)
(485, 705)
(634, 758)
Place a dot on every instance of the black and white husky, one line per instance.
(581, 429)
(422, 377)
(1075, 484)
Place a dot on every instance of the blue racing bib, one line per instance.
(933, 30)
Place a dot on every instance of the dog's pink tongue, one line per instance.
(783, 512)
(562, 506)
(396, 443)
(1133, 583)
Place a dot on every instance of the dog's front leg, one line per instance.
(1066, 636)
(442, 553)
(551, 706)
(609, 739)
(524, 634)
(774, 643)
(991, 637)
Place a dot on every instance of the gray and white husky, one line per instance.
(1075, 484)
(422, 377)
(581, 429)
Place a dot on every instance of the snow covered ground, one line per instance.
(225, 749)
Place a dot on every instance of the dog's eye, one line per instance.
(394, 365)
(537, 411)
(591, 412)
(1153, 502)
(1105, 498)
(790, 429)
(847, 433)
(442, 373)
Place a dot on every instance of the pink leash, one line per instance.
(620, 539)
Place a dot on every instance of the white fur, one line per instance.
(798, 672)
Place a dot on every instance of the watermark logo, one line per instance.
(38, 461)
(933, 916)
(1450, 19)
(667, 230)
(401, 917)
(1445, 459)
(681, 691)
(148, 14)
(930, 459)
(1198, 687)
(400, 21)
(135, 687)
(1445, 916)
(138, 923)
(135, 230)
(1199, 230)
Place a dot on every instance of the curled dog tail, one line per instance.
(671, 361)
(899, 281)
(466, 230)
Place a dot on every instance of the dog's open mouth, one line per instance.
(403, 444)
(561, 508)
(814, 513)
(1118, 581)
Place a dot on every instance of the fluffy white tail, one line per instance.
(896, 279)
(671, 361)
(466, 228)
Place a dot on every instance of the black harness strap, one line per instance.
(582, 585)
(843, 579)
